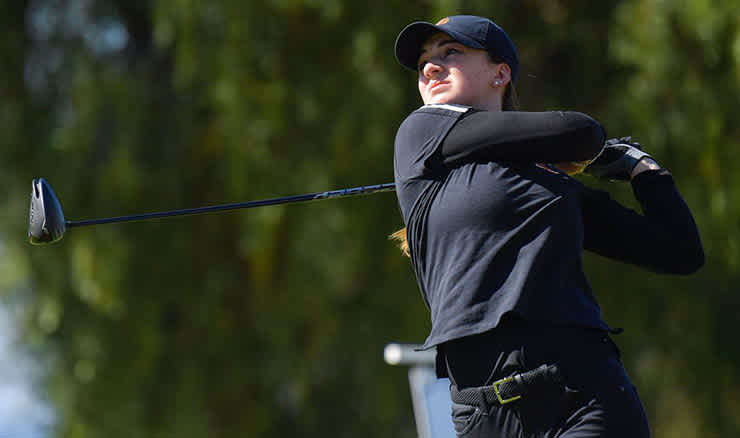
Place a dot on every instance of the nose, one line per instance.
(431, 67)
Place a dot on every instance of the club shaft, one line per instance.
(362, 190)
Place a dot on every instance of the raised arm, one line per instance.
(544, 137)
(663, 239)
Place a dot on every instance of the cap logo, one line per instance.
(443, 21)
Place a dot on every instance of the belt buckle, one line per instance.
(502, 400)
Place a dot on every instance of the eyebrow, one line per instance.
(442, 43)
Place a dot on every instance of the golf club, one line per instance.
(47, 224)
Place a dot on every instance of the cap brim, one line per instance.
(411, 38)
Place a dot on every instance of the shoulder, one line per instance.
(429, 116)
(421, 133)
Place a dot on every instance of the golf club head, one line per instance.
(46, 221)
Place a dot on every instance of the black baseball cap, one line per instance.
(469, 30)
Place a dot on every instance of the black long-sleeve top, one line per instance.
(492, 232)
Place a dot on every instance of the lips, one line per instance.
(435, 84)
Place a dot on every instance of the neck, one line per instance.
(490, 102)
(491, 105)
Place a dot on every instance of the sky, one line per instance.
(23, 414)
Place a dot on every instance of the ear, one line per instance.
(501, 75)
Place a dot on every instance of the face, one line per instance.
(450, 72)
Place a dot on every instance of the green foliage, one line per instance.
(271, 322)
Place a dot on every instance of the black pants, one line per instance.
(595, 400)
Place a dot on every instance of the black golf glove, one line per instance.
(617, 159)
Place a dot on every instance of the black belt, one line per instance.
(509, 389)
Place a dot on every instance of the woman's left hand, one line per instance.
(618, 160)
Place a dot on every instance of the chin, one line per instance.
(440, 100)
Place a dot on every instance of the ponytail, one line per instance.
(403, 243)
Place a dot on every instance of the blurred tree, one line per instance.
(679, 95)
(271, 322)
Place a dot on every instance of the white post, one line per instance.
(430, 396)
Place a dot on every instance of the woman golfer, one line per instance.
(495, 237)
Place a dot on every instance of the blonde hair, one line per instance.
(403, 243)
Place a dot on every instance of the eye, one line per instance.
(448, 51)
